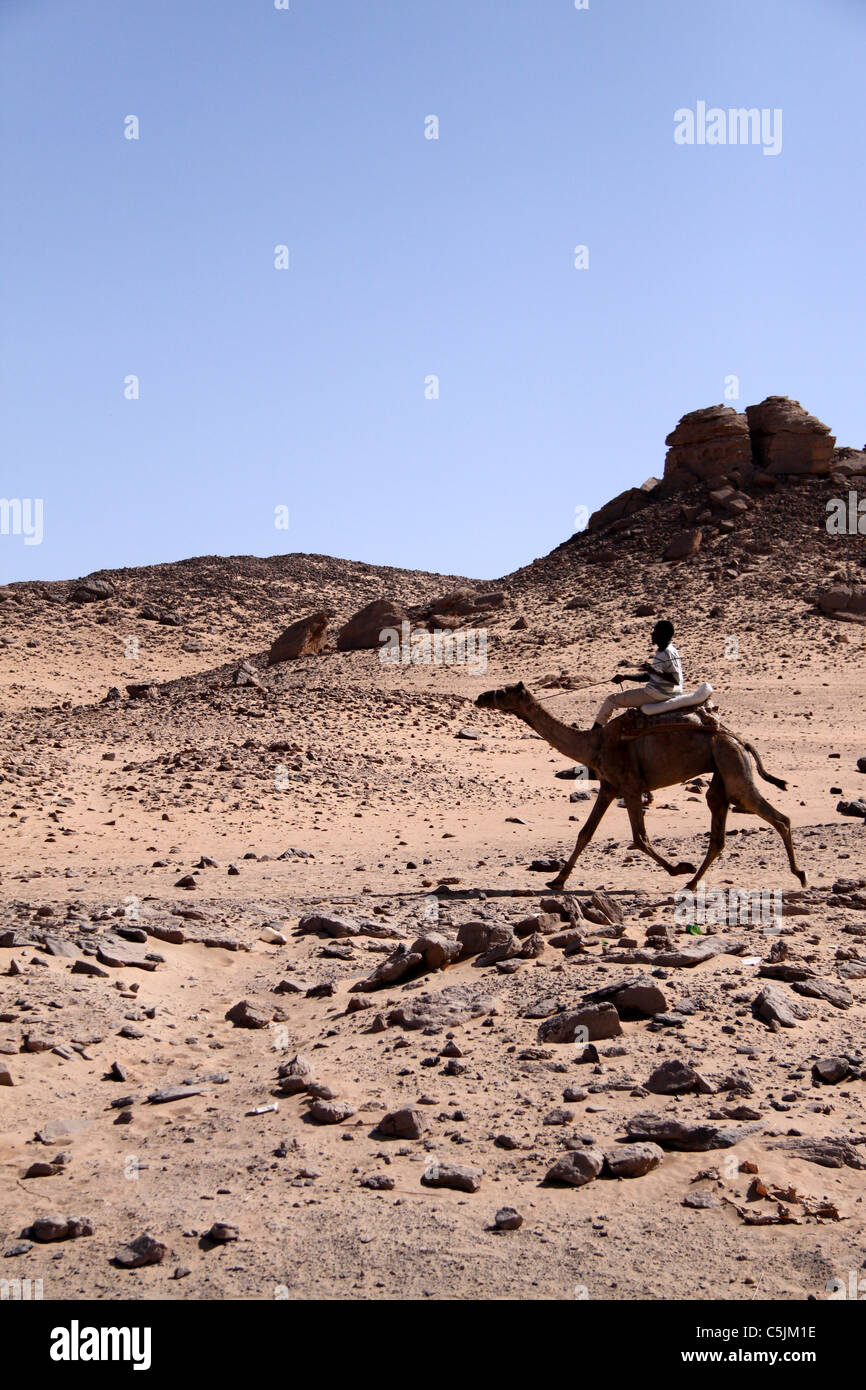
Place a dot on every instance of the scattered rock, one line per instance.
(787, 971)
(172, 1093)
(602, 903)
(830, 1152)
(295, 1075)
(44, 1170)
(773, 1005)
(221, 1233)
(600, 1021)
(558, 1116)
(474, 937)
(507, 1219)
(121, 955)
(502, 945)
(395, 967)
(144, 1250)
(379, 1182)
(55, 1130)
(831, 991)
(632, 1160)
(458, 1176)
(577, 1167)
(641, 996)
(437, 950)
(247, 1015)
(701, 1200)
(701, 949)
(50, 1228)
(673, 1078)
(406, 1123)
(331, 1112)
(451, 1006)
(676, 1134)
(541, 922)
(89, 967)
(829, 1071)
(634, 499)
(331, 926)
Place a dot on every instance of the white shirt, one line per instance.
(667, 672)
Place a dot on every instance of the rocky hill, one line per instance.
(740, 517)
(718, 532)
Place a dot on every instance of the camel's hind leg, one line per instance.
(740, 788)
(717, 801)
(640, 840)
(604, 797)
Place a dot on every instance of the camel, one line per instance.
(674, 749)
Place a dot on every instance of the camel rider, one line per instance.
(665, 674)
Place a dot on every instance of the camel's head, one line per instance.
(508, 698)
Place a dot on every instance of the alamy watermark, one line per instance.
(737, 126)
(22, 516)
(855, 1289)
(77, 1343)
(727, 906)
(846, 518)
(442, 647)
(20, 1290)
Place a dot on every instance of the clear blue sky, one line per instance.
(408, 257)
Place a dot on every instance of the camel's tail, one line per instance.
(767, 776)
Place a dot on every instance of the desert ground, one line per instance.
(324, 812)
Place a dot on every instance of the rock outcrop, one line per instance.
(849, 466)
(708, 445)
(634, 499)
(845, 602)
(719, 445)
(684, 545)
(363, 630)
(458, 603)
(787, 439)
(306, 637)
(91, 591)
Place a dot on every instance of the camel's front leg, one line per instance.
(634, 806)
(604, 797)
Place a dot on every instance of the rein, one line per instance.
(577, 689)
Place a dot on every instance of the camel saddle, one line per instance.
(662, 714)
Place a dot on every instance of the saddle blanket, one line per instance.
(694, 697)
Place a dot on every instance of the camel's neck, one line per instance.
(574, 743)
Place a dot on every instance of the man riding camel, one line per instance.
(665, 673)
